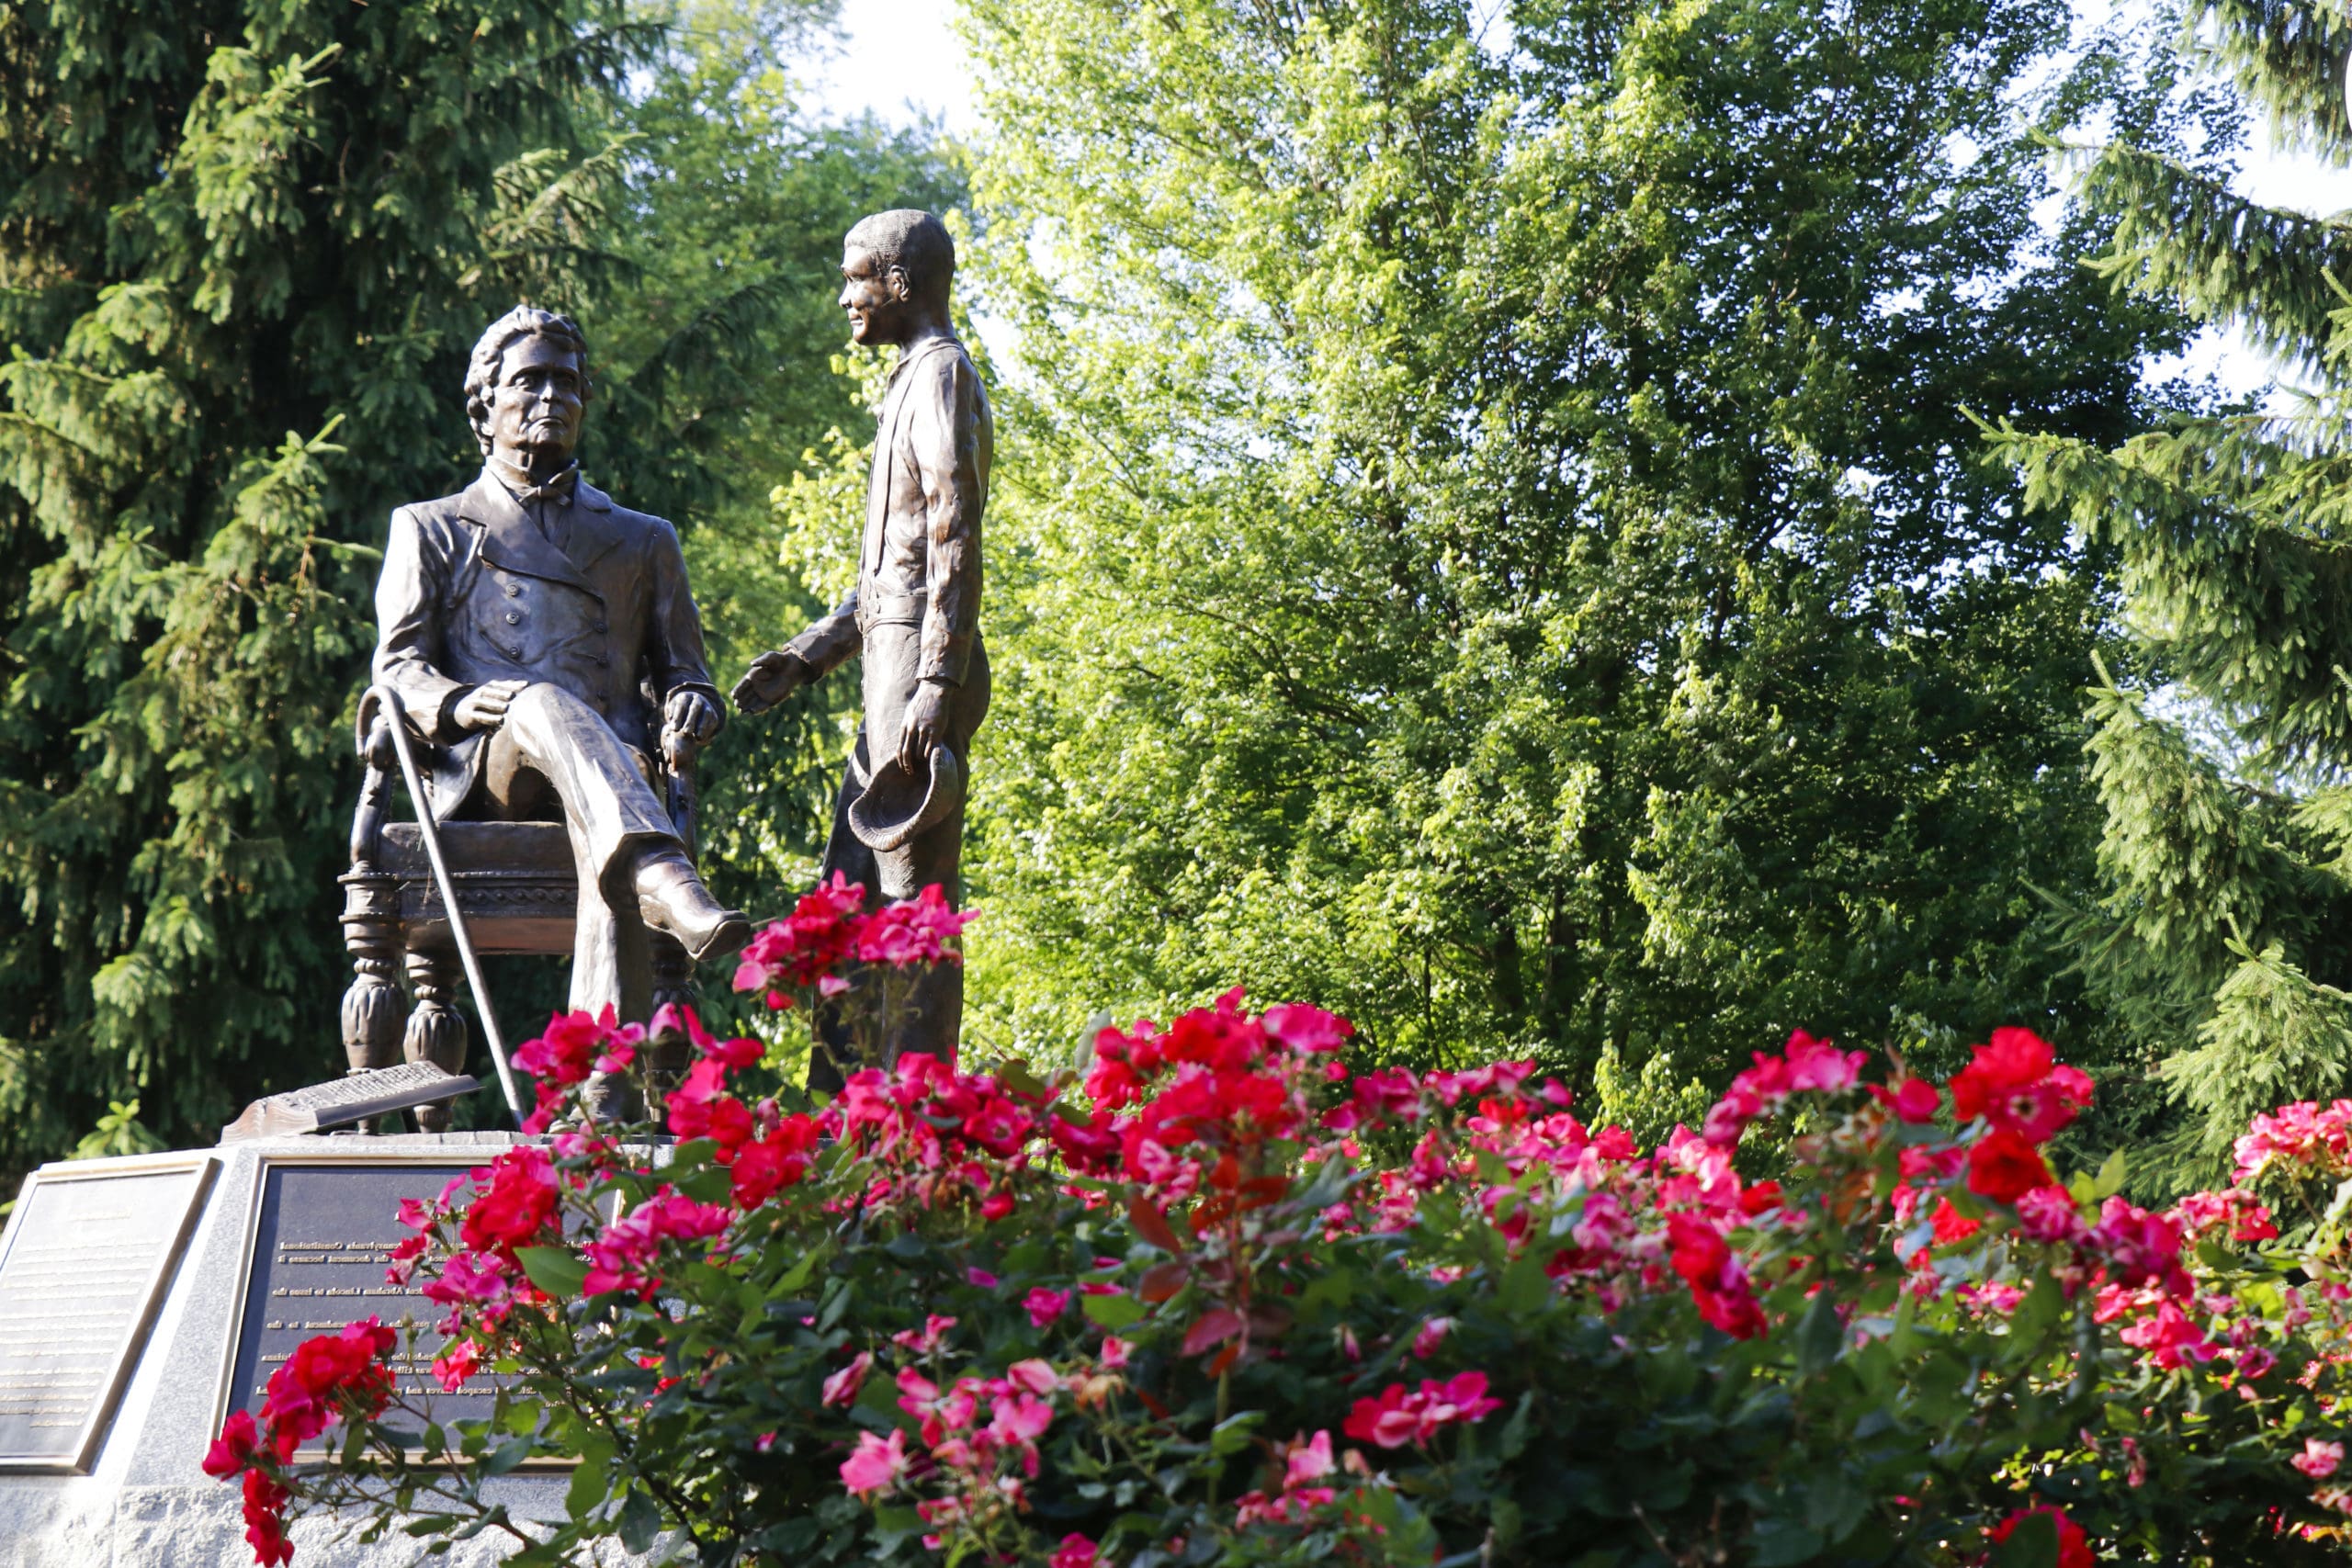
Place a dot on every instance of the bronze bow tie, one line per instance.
(557, 489)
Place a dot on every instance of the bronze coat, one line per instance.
(471, 591)
(919, 562)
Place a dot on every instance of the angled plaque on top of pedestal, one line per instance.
(89, 1251)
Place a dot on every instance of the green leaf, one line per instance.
(1513, 1441)
(2042, 1307)
(1335, 1287)
(1017, 1075)
(711, 1184)
(836, 1302)
(1780, 1542)
(1232, 1435)
(638, 1523)
(554, 1270)
(589, 1479)
(1525, 1287)
(798, 1275)
(1113, 1313)
(893, 1525)
(1820, 1336)
(507, 1455)
(1834, 1505)
(2111, 1176)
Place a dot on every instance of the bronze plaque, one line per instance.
(323, 1236)
(88, 1253)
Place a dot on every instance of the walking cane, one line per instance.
(398, 723)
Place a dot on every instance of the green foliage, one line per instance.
(2223, 931)
(119, 1131)
(245, 249)
(1488, 537)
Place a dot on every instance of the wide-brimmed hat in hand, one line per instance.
(897, 804)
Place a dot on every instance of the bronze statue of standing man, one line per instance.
(913, 617)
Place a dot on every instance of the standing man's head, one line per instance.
(896, 268)
(526, 387)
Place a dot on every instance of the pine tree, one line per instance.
(245, 247)
(2223, 937)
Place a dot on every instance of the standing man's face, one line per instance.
(536, 405)
(874, 297)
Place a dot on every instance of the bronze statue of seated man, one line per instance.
(544, 643)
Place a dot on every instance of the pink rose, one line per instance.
(877, 1465)
(843, 1386)
(2319, 1459)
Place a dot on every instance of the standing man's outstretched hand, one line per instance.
(772, 678)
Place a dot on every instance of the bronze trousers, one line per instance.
(933, 1021)
(553, 741)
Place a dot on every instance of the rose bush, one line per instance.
(1224, 1295)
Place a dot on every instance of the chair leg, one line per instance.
(436, 1031)
(373, 1007)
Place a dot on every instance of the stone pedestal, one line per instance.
(144, 1502)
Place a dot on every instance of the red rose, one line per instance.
(1951, 1226)
(2014, 1084)
(1913, 1100)
(2005, 1166)
(233, 1448)
(266, 1520)
(517, 1208)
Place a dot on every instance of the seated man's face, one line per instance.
(535, 407)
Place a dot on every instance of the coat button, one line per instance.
(514, 591)
(515, 651)
(601, 627)
(603, 663)
(513, 617)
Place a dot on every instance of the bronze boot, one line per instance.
(671, 899)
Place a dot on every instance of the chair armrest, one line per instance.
(376, 767)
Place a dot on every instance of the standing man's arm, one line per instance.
(804, 660)
(947, 428)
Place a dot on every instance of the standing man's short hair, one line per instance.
(521, 321)
(913, 241)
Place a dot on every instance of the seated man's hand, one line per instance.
(925, 727)
(484, 707)
(689, 717)
(772, 678)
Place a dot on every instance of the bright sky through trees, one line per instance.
(903, 59)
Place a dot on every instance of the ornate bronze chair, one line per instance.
(517, 892)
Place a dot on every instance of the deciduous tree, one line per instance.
(1489, 538)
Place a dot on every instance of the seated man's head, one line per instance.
(896, 268)
(525, 388)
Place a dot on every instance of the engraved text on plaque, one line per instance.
(89, 1251)
(320, 1243)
